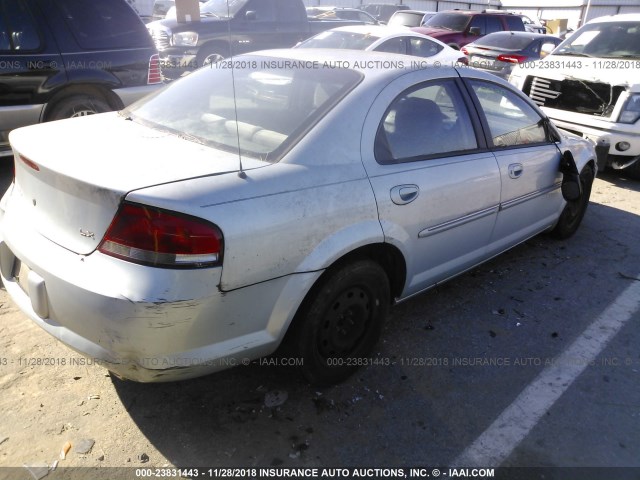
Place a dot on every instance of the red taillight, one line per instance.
(512, 58)
(464, 50)
(154, 75)
(151, 236)
(29, 163)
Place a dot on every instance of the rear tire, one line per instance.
(340, 322)
(78, 106)
(573, 212)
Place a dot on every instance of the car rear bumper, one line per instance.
(144, 324)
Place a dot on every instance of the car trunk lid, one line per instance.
(72, 175)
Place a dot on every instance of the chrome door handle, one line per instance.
(403, 194)
(515, 170)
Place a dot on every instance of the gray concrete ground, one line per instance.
(451, 361)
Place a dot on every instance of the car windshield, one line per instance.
(221, 8)
(258, 111)
(342, 40)
(450, 21)
(605, 40)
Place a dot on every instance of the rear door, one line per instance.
(436, 185)
(528, 159)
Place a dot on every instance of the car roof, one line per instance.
(476, 12)
(531, 35)
(623, 17)
(378, 30)
(418, 12)
(367, 62)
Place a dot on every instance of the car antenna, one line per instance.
(241, 173)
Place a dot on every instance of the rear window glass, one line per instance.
(515, 23)
(104, 24)
(407, 19)
(509, 42)
(257, 112)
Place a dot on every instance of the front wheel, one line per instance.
(571, 216)
(341, 322)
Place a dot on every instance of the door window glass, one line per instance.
(395, 45)
(421, 47)
(101, 24)
(511, 120)
(430, 120)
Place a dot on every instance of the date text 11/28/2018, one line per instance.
(307, 473)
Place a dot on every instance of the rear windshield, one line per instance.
(407, 19)
(342, 40)
(508, 42)
(449, 21)
(259, 111)
(99, 24)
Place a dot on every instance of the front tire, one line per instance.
(573, 212)
(341, 321)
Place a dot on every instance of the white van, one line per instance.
(590, 85)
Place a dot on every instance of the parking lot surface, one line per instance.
(448, 375)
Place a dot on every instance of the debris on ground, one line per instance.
(38, 470)
(275, 398)
(93, 397)
(3, 439)
(143, 458)
(65, 449)
(84, 446)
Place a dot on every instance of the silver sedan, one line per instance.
(285, 196)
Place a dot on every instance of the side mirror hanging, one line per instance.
(571, 184)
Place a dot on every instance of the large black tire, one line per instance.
(340, 323)
(573, 212)
(632, 171)
(78, 106)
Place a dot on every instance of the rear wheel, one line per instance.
(341, 322)
(571, 216)
(78, 106)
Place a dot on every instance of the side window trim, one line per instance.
(485, 124)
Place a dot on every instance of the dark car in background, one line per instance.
(456, 28)
(410, 18)
(341, 13)
(232, 28)
(382, 11)
(500, 52)
(70, 58)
